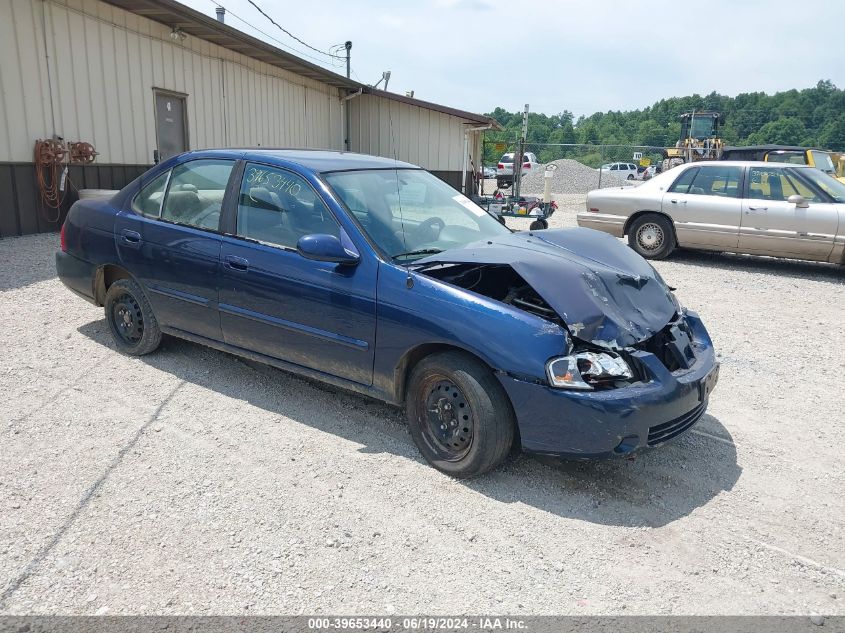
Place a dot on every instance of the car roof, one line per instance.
(743, 163)
(318, 160)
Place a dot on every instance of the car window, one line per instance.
(614, 167)
(823, 161)
(777, 185)
(195, 193)
(794, 158)
(507, 158)
(683, 182)
(717, 181)
(278, 207)
(148, 200)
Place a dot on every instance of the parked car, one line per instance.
(377, 277)
(649, 172)
(761, 208)
(489, 172)
(624, 171)
(504, 169)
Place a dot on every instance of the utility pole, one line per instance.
(348, 67)
(517, 160)
(347, 118)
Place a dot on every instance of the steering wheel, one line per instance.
(429, 228)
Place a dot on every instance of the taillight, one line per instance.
(62, 238)
(594, 209)
(500, 166)
(527, 166)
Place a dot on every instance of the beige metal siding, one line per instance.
(103, 65)
(427, 138)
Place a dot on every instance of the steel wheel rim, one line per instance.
(448, 421)
(127, 319)
(650, 236)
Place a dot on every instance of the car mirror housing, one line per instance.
(798, 201)
(326, 248)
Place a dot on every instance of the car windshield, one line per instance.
(410, 213)
(825, 182)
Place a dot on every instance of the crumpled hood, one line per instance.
(603, 291)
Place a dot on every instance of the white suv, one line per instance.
(623, 171)
(504, 169)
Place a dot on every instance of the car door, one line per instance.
(273, 301)
(771, 225)
(169, 240)
(705, 205)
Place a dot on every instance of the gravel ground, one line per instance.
(189, 481)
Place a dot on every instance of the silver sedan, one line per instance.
(773, 209)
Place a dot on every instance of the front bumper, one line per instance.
(596, 424)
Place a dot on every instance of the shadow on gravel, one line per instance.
(652, 489)
(794, 268)
(27, 260)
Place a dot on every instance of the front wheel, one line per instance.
(630, 176)
(133, 325)
(652, 236)
(538, 225)
(459, 415)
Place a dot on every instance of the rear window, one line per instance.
(793, 158)
(507, 158)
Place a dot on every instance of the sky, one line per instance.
(560, 55)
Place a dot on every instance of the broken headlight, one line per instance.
(587, 370)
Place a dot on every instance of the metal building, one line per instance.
(138, 79)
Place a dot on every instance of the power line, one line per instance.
(283, 30)
(267, 35)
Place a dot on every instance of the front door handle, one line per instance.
(233, 262)
(676, 202)
(758, 208)
(130, 237)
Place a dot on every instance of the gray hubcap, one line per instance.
(650, 237)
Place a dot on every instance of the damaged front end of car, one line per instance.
(635, 359)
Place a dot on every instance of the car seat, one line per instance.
(775, 187)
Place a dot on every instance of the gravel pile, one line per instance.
(570, 177)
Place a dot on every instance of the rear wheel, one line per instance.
(630, 176)
(458, 414)
(133, 325)
(538, 225)
(652, 236)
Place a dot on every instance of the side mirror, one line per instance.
(798, 201)
(326, 248)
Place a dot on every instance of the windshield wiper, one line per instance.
(422, 251)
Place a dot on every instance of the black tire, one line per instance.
(630, 176)
(133, 325)
(652, 236)
(538, 225)
(479, 436)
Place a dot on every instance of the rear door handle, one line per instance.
(676, 202)
(130, 237)
(758, 208)
(233, 262)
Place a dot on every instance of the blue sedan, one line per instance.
(375, 276)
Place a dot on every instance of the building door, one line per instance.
(171, 128)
